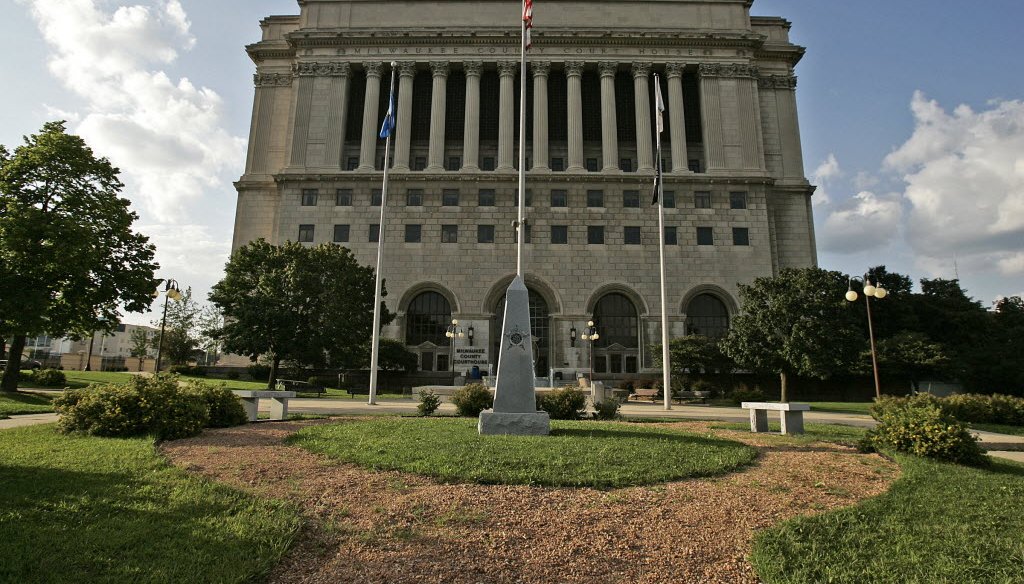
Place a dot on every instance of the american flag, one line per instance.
(528, 19)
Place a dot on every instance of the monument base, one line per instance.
(509, 424)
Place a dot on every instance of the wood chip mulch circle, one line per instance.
(368, 526)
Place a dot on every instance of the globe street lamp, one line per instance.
(454, 331)
(171, 291)
(870, 291)
(590, 334)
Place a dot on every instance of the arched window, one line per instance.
(427, 319)
(540, 330)
(706, 315)
(616, 319)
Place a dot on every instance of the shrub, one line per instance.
(986, 409)
(48, 378)
(259, 372)
(568, 403)
(705, 385)
(190, 370)
(739, 396)
(144, 405)
(607, 409)
(233, 375)
(472, 398)
(919, 425)
(222, 406)
(429, 402)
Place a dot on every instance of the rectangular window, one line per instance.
(595, 198)
(595, 234)
(488, 163)
(427, 361)
(616, 361)
(558, 164)
(702, 199)
(670, 236)
(559, 198)
(626, 164)
(485, 234)
(309, 197)
(705, 236)
(631, 199)
(305, 233)
(486, 198)
(668, 199)
(694, 165)
(340, 233)
(559, 234)
(343, 198)
(414, 198)
(419, 162)
(375, 197)
(600, 364)
(450, 197)
(374, 233)
(740, 236)
(449, 234)
(738, 200)
(454, 163)
(352, 163)
(442, 362)
(412, 233)
(631, 235)
(631, 364)
(591, 165)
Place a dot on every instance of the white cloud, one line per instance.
(822, 176)
(1012, 264)
(866, 221)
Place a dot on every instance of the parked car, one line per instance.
(25, 364)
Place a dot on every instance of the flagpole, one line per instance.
(377, 298)
(520, 231)
(665, 364)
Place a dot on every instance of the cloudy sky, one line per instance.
(911, 114)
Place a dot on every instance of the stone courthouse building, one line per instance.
(737, 203)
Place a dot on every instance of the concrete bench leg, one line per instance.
(278, 408)
(758, 420)
(793, 422)
(251, 406)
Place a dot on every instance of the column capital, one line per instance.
(574, 68)
(540, 68)
(407, 68)
(439, 68)
(674, 69)
(472, 68)
(272, 79)
(728, 70)
(373, 68)
(777, 82)
(641, 69)
(315, 69)
(507, 68)
(608, 68)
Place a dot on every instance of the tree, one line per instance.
(393, 356)
(693, 354)
(312, 305)
(911, 356)
(182, 332)
(795, 323)
(139, 345)
(69, 260)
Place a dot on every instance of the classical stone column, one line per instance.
(506, 114)
(676, 117)
(267, 85)
(609, 125)
(574, 75)
(303, 105)
(729, 91)
(438, 99)
(540, 114)
(711, 116)
(403, 129)
(778, 94)
(645, 160)
(471, 129)
(368, 146)
(336, 114)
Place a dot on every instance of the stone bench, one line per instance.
(251, 402)
(792, 416)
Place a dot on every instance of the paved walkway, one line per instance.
(1001, 445)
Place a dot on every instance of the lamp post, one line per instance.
(870, 291)
(454, 331)
(171, 291)
(590, 334)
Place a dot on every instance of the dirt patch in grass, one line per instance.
(396, 527)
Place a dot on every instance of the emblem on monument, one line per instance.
(517, 338)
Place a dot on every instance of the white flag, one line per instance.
(659, 105)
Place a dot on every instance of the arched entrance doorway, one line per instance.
(618, 322)
(540, 329)
(426, 321)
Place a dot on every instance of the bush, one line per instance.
(259, 372)
(233, 375)
(144, 405)
(471, 399)
(568, 403)
(711, 388)
(190, 370)
(919, 425)
(222, 406)
(429, 402)
(739, 396)
(607, 409)
(48, 378)
(986, 409)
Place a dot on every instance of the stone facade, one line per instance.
(731, 153)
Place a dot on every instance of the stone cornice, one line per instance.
(727, 70)
(777, 82)
(638, 180)
(320, 69)
(272, 79)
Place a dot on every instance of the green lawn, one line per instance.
(998, 428)
(597, 454)
(24, 403)
(841, 407)
(838, 433)
(938, 523)
(80, 379)
(85, 509)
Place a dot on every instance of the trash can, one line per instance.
(474, 373)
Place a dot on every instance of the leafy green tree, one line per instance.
(69, 260)
(139, 345)
(393, 356)
(694, 354)
(911, 356)
(182, 333)
(795, 323)
(311, 305)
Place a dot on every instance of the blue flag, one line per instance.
(388, 126)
